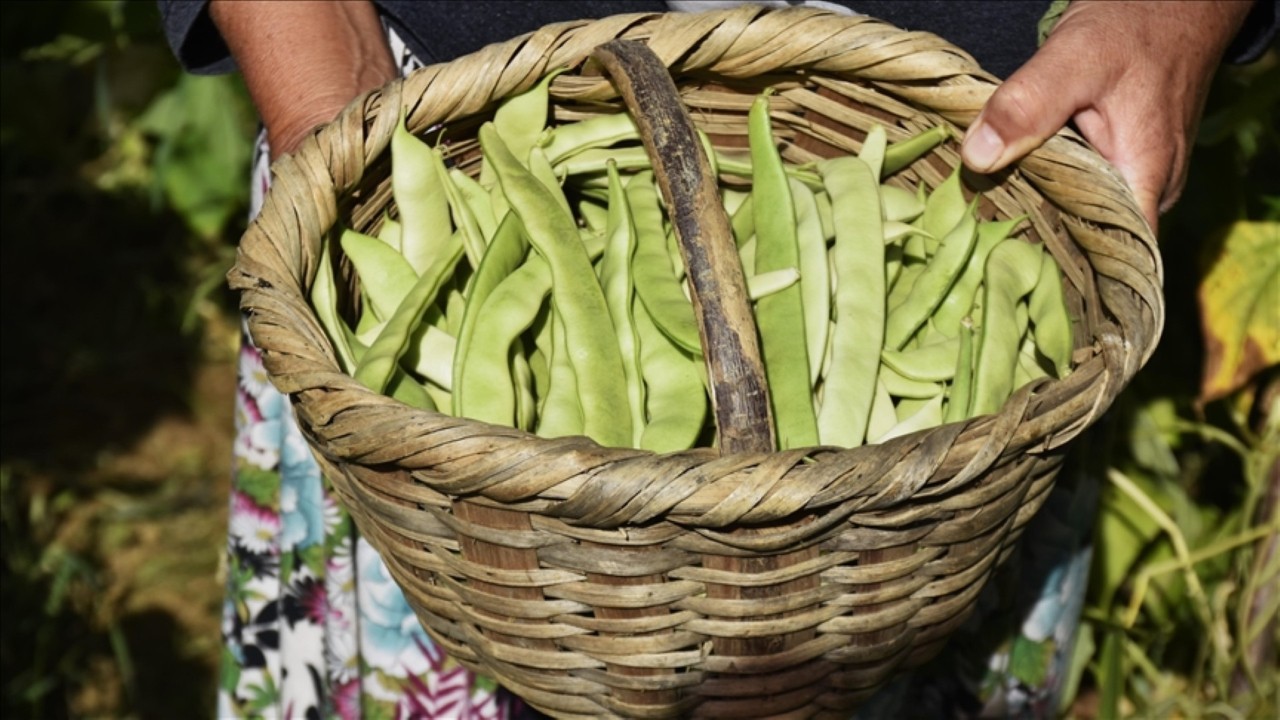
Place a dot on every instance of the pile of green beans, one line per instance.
(548, 293)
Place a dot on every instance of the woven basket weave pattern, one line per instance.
(598, 581)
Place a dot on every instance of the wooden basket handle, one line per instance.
(739, 393)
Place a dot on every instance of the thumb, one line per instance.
(1033, 104)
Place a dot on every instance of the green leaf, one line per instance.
(71, 49)
(1050, 19)
(1111, 674)
(262, 697)
(203, 149)
(1029, 660)
(262, 486)
(1240, 307)
(1152, 436)
(230, 671)
(1082, 650)
(313, 558)
(1124, 531)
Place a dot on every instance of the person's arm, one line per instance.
(303, 61)
(1133, 76)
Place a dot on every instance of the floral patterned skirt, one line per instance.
(313, 625)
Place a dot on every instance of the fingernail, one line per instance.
(982, 148)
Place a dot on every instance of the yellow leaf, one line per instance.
(1240, 308)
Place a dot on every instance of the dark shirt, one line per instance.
(1000, 35)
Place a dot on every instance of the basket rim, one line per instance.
(302, 203)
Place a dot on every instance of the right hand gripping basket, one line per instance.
(609, 582)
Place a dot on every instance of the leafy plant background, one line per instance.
(124, 191)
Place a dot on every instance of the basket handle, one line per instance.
(731, 349)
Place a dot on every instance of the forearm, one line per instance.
(303, 61)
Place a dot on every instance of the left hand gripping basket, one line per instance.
(599, 582)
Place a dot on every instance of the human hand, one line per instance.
(1132, 75)
(303, 61)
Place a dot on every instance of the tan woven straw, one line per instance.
(601, 582)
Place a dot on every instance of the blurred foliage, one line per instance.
(1239, 297)
(123, 193)
(1185, 588)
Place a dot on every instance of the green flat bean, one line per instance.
(569, 139)
(774, 281)
(733, 199)
(883, 418)
(945, 207)
(741, 166)
(430, 353)
(1050, 319)
(520, 121)
(826, 216)
(675, 396)
(377, 366)
(477, 200)
(594, 354)
(934, 282)
(526, 404)
(469, 232)
(409, 391)
(390, 233)
(420, 196)
(562, 413)
(895, 231)
(357, 342)
(893, 269)
(592, 162)
(958, 399)
(1028, 368)
(594, 214)
(815, 276)
(1013, 269)
(903, 387)
(677, 259)
(899, 205)
(505, 253)
(743, 222)
(747, 252)
(908, 273)
(485, 388)
(858, 258)
(780, 317)
(929, 415)
(541, 169)
(903, 153)
(934, 362)
(873, 149)
(820, 391)
(496, 199)
(455, 308)
(916, 248)
(617, 281)
(652, 271)
(324, 298)
(540, 370)
(959, 299)
(440, 397)
(385, 276)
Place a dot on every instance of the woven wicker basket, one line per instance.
(609, 582)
